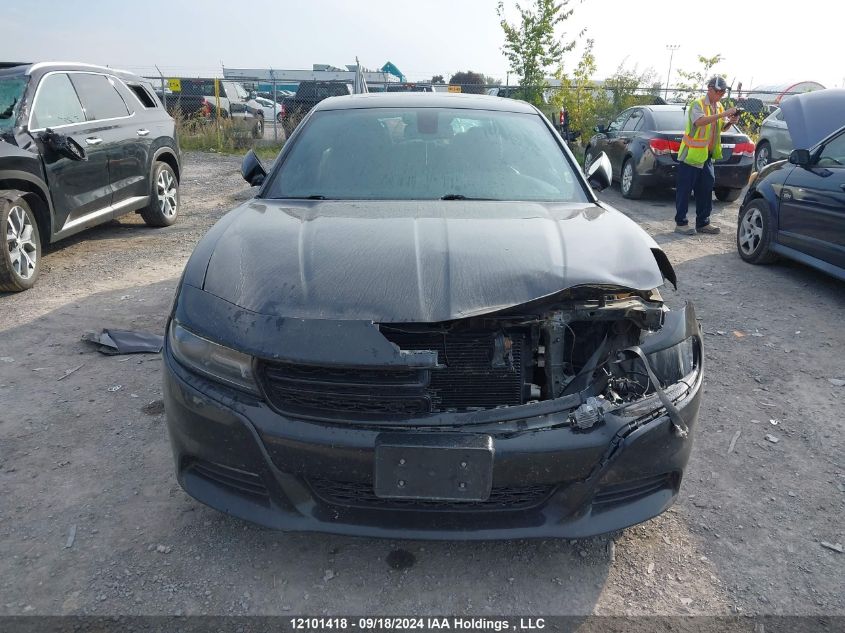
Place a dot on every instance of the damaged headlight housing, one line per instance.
(211, 359)
(670, 365)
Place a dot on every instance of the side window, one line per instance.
(778, 114)
(634, 122)
(99, 97)
(56, 103)
(833, 153)
(144, 95)
(617, 123)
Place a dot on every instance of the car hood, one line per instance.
(420, 261)
(813, 116)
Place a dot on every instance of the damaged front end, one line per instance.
(589, 349)
(565, 417)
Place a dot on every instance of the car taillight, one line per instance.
(743, 149)
(562, 118)
(282, 111)
(661, 146)
(205, 108)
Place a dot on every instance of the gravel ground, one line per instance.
(93, 522)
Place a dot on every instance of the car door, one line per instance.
(812, 207)
(629, 130)
(237, 100)
(117, 132)
(80, 189)
(614, 144)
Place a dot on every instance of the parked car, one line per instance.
(643, 144)
(269, 109)
(308, 94)
(79, 146)
(425, 325)
(774, 142)
(197, 98)
(796, 209)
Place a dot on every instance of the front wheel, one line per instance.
(20, 261)
(629, 184)
(762, 156)
(754, 233)
(164, 197)
(726, 194)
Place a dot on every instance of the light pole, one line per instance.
(671, 48)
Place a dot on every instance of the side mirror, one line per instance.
(601, 128)
(252, 170)
(599, 173)
(800, 157)
(63, 145)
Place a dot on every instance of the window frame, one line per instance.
(86, 122)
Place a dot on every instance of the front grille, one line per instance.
(240, 481)
(479, 370)
(629, 491)
(361, 495)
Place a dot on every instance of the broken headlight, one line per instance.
(670, 365)
(211, 359)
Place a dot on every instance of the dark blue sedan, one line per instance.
(796, 208)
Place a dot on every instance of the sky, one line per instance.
(761, 43)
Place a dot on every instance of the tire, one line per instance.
(20, 259)
(762, 155)
(164, 197)
(258, 130)
(629, 181)
(754, 233)
(588, 158)
(726, 194)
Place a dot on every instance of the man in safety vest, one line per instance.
(706, 120)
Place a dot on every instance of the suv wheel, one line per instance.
(726, 194)
(20, 261)
(763, 156)
(164, 197)
(258, 130)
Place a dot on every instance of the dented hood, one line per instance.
(419, 261)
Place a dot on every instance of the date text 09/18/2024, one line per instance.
(418, 623)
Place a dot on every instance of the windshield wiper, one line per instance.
(460, 196)
(314, 197)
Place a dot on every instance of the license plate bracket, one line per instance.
(433, 466)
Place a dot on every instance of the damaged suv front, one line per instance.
(376, 345)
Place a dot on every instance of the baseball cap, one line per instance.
(718, 83)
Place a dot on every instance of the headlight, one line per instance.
(673, 363)
(210, 359)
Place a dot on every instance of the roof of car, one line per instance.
(424, 100)
(42, 67)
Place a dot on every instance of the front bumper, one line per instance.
(234, 453)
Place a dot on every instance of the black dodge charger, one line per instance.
(426, 325)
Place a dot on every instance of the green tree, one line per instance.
(629, 87)
(492, 81)
(470, 82)
(437, 79)
(583, 99)
(693, 83)
(532, 46)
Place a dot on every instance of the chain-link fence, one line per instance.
(237, 114)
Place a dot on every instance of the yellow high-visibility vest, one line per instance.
(696, 140)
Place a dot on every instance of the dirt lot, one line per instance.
(93, 522)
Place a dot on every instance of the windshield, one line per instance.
(11, 92)
(426, 154)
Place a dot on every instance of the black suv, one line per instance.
(79, 145)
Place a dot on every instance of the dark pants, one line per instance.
(701, 181)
